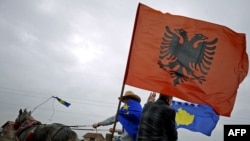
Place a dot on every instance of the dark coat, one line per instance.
(157, 122)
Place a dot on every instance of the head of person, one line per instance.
(129, 95)
(166, 98)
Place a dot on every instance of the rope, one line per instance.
(77, 126)
(90, 129)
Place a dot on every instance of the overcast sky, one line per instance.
(77, 50)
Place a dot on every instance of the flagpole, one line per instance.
(126, 71)
(41, 104)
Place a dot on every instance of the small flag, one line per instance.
(195, 117)
(62, 101)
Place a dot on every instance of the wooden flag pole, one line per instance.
(126, 71)
(118, 108)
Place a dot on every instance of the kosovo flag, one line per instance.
(129, 116)
(62, 101)
(195, 117)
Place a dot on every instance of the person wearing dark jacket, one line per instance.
(158, 121)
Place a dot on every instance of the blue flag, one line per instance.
(62, 101)
(129, 116)
(195, 117)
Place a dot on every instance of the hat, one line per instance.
(130, 94)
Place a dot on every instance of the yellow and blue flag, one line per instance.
(129, 116)
(62, 101)
(195, 117)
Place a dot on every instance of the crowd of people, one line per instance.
(155, 121)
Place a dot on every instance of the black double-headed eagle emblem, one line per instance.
(186, 58)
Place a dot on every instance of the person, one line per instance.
(158, 120)
(129, 116)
